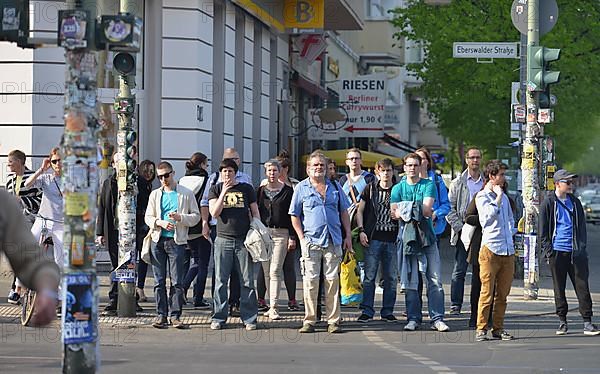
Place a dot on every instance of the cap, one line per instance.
(562, 174)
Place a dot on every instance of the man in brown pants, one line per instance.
(497, 254)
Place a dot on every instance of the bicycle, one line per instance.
(28, 297)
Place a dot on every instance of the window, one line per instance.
(378, 9)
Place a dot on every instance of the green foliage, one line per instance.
(471, 101)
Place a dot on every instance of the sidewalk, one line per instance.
(517, 306)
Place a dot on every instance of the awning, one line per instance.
(368, 158)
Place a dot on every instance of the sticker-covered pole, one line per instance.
(79, 287)
(125, 64)
(530, 163)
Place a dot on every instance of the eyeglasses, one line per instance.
(164, 176)
(55, 161)
(566, 181)
(353, 158)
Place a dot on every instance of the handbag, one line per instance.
(146, 245)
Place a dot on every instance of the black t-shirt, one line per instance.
(234, 220)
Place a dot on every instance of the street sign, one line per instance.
(485, 50)
(548, 15)
(361, 112)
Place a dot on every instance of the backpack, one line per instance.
(197, 229)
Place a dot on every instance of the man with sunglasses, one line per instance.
(172, 210)
(563, 238)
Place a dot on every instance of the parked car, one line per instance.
(587, 198)
(592, 210)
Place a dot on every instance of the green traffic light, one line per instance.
(537, 74)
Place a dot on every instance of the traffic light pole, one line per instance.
(79, 292)
(530, 164)
(125, 106)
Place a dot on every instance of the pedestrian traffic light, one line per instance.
(130, 156)
(124, 63)
(538, 77)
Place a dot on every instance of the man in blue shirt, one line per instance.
(497, 254)
(563, 238)
(319, 214)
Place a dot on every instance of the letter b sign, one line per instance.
(304, 12)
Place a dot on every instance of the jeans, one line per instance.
(457, 288)
(167, 253)
(435, 290)
(578, 271)
(385, 253)
(234, 281)
(231, 256)
(200, 251)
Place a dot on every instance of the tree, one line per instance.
(471, 101)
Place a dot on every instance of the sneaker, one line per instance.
(411, 326)
(262, 305)
(481, 336)
(160, 322)
(216, 325)
(250, 326)
(176, 322)
(141, 295)
(363, 318)
(440, 326)
(14, 298)
(273, 314)
(562, 328)
(389, 318)
(334, 328)
(293, 305)
(590, 329)
(454, 311)
(202, 305)
(502, 335)
(307, 328)
(234, 311)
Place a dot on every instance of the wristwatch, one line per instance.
(361, 229)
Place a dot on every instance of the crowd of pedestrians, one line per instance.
(205, 218)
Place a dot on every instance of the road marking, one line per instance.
(31, 358)
(425, 361)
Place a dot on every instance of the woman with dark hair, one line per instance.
(195, 179)
(146, 175)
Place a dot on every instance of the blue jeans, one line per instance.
(167, 253)
(384, 253)
(200, 251)
(457, 288)
(231, 255)
(435, 291)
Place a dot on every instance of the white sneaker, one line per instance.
(273, 314)
(216, 325)
(411, 326)
(440, 326)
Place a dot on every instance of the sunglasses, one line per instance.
(55, 161)
(566, 181)
(164, 176)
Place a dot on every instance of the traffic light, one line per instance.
(538, 76)
(124, 63)
(131, 156)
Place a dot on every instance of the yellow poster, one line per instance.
(304, 14)
(76, 204)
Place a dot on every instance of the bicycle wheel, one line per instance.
(28, 302)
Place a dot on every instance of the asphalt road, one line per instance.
(375, 347)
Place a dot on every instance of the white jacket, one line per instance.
(258, 241)
(187, 207)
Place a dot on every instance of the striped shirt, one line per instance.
(30, 197)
